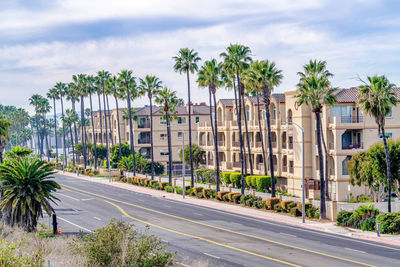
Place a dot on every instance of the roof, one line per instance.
(351, 95)
(181, 110)
(279, 97)
(227, 102)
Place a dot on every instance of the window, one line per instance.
(345, 171)
(181, 120)
(163, 136)
(341, 111)
(197, 119)
(162, 121)
(180, 135)
(390, 113)
(164, 152)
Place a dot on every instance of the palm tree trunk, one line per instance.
(216, 140)
(101, 120)
(38, 135)
(211, 120)
(387, 169)
(128, 99)
(238, 109)
(46, 137)
(94, 134)
(83, 132)
(242, 182)
(326, 164)
(119, 128)
(247, 134)
(72, 142)
(190, 130)
(109, 122)
(105, 124)
(261, 132)
(63, 129)
(151, 138)
(169, 150)
(271, 155)
(322, 207)
(75, 130)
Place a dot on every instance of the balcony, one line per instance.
(221, 143)
(260, 166)
(290, 145)
(284, 146)
(237, 164)
(143, 141)
(284, 168)
(347, 120)
(352, 146)
(258, 144)
(143, 125)
(291, 170)
(273, 144)
(236, 144)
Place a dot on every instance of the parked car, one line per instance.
(393, 196)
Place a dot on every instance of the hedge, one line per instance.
(169, 189)
(287, 205)
(390, 222)
(270, 202)
(226, 177)
(236, 178)
(220, 195)
(365, 218)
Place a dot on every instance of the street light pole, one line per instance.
(183, 164)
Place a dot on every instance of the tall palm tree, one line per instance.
(150, 86)
(114, 89)
(210, 76)
(243, 91)
(102, 79)
(82, 87)
(34, 101)
(98, 90)
(54, 95)
(236, 59)
(73, 96)
(128, 83)
(90, 80)
(69, 119)
(377, 99)
(61, 89)
(314, 90)
(169, 101)
(4, 134)
(108, 91)
(44, 108)
(185, 62)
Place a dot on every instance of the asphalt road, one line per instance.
(207, 237)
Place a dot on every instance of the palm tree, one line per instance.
(28, 188)
(90, 80)
(128, 83)
(150, 86)
(377, 99)
(69, 119)
(44, 108)
(61, 91)
(97, 88)
(269, 76)
(81, 85)
(108, 92)
(243, 91)
(236, 59)
(185, 62)
(210, 76)
(4, 129)
(54, 95)
(169, 101)
(73, 96)
(314, 90)
(34, 101)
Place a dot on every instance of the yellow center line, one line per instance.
(219, 228)
(198, 237)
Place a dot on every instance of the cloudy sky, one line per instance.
(46, 41)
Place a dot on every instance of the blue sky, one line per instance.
(43, 42)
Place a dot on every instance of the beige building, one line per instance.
(347, 130)
(141, 130)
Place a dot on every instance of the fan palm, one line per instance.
(69, 119)
(28, 188)
(169, 101)
(127, 84)
(54, 95)
(81, 85)
(236, 59)
(102, 77)
(314, 90)
(90, 90)
(377, 99)
(4, 131)
(44, 108)
(34, 101)
(61, 91)
(210, 76)
(150, 86)
(186, 62)
(72, 94)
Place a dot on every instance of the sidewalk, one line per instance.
(328, 227)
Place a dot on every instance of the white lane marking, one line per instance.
(97, 218)
(163, 240)
(210, 255)
(355, 250)
(265, 221)
(85, 199)
(287, 234)
(83, 228)
(195, 213)
(184, 265)
(68, 196)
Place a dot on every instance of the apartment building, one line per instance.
(347, 130)
(141, 130)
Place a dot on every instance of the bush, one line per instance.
(354, 220)
(12, 254)
(163, 185)
(236, 198)
(342, 217)
(200, 174)
(197, 190)
(263, 182)
(270, 202)
(178, 190)
(306, 205)
(209, 193)
(119, 244)
(244, 198)
(158, 168)
(226, 177)
(390, 222)
(259, 204)
(230, 196)
(169, 189)
(287, 205)
(277, 207)
(295, 212)
(368, 224)
(235, 178)
(221, 194)
(189, 191)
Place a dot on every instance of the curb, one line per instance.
(376, 239)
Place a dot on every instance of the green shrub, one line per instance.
(287, 205)
(178, 190)
(342, 217)
(232, 194)
(270, 202)
(200, 174)
(236, 198)
(248, 180)
(277, 207)
(244, 198)
(306, 205)
(189, 191)
(12, 254)
(225, 198)
(163, 185)
(129, 181)
(235, 178)
(354, 220)
(263, 182)
(197, 190)
(295, 211)
(390, 222)
(207, 193)
(226, 177)
(259, 204)
(368, 224)
(169, 189)
(221, 194)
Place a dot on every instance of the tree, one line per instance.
(102, 77)
(54, 95)
(19, 152)
(44, 108)
(377, 99)
(28, 188)
(150, 86)
(185, 62)
(210, 76)
(128, 83)
(168, 100)
(72, 94)
(82, 87)
(4, 134)
(90, 90)
(34, 101)
(198, 155)
(61, 90)
(69, 119)
(115, 90)
(314, 90)
(236, 59)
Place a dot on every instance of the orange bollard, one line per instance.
(59, 231)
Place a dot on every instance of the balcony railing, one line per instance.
(236, 144)
(284, 168)
(143, 125)
(273, 144)
(351, 119)
(352, 146)
(258, 144)
(260, 166)
(237, 164)
(144, 141)
(290, 145)
(284, 145)
(221, 143)
(291, 170)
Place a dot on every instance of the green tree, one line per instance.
(4, 135)
(150, 86)
(186, 62)
(28, 188)
(53, 94)
(168, 100)
(69, 119)
(377, 99)
(82, 87)
(61, 90)
(91, 88)
(314, 90)
(34, 101)
(72, 94)
(101, 151)
(198, 156)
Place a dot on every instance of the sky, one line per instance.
(43, 42)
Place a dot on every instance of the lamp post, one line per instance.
(303, 172)
(183, 165)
